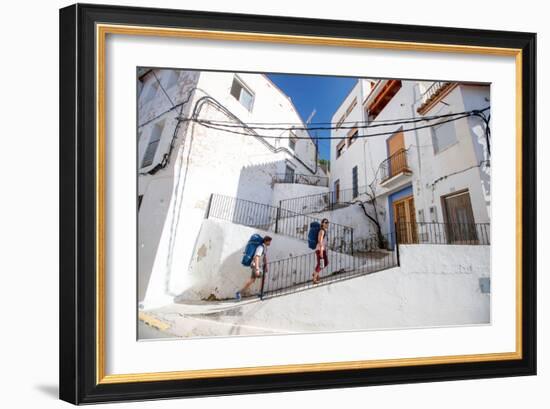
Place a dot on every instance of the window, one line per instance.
(336, 192)
(443, 136)
(150, 89)
(340, 148)
(352, 135)
(171, 78)
(242, 94)
(355, 182)
(152, 146)
(292, 141)
(340, 121)
(378, 103)
(289, 174)
(351, 106)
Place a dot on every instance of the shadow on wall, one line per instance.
(216, 279)
(256, 181)
(250, 182)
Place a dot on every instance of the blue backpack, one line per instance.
(313, 234)
(253, 243)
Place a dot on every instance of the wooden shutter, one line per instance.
(396, 144)
(460, 219)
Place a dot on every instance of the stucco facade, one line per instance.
(432, 165)
(181, 163)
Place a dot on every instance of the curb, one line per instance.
(153, 322)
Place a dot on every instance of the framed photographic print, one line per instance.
(258, 203)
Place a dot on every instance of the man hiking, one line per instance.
(321, 251)
(258, 266)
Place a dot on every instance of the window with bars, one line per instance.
(340, 148)
(292, 141)
(152, 146)
(352, 135)
(351, 106)
(242, 94)
(289, 174)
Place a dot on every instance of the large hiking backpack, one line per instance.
(253, 243)
(313, 234)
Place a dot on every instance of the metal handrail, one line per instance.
(432, 90)
(295, 274)
(276, 220)
(394, 165)
(322, 202)
(297, 178)
(444, 233)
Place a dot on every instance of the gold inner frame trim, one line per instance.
(101, 32)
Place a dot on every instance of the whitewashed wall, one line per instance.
(456, 167)
(216, 261)
(282, 191)
(204, 161)
(341, 168)
(435, 286)
(354, 216)
(433, 175)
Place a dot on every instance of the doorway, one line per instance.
(405, 220)
(459, 218)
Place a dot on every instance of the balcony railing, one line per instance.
(322, 202)
(443, 233)
(394, 165)
(312, 180)
(432, 93)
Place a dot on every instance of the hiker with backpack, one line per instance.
(255, 256)
(320, 249)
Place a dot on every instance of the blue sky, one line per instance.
(309, 92)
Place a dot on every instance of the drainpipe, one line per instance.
(418, 156)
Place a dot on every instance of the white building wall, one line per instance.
(352, 216)
(204, 161)
(216, 267)
(435, 286)
(458, 166)
(433, 174)
(353, 155)
(282, 191)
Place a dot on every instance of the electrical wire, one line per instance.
(162, 88)
(355, 125)
(207, 125)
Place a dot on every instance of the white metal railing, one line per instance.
(433, 90)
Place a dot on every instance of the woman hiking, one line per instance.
(321, 251)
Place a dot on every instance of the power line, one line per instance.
(344, 122)
(207, 125)
(355, 126)
(163, 90)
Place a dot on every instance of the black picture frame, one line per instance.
(78, 197)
